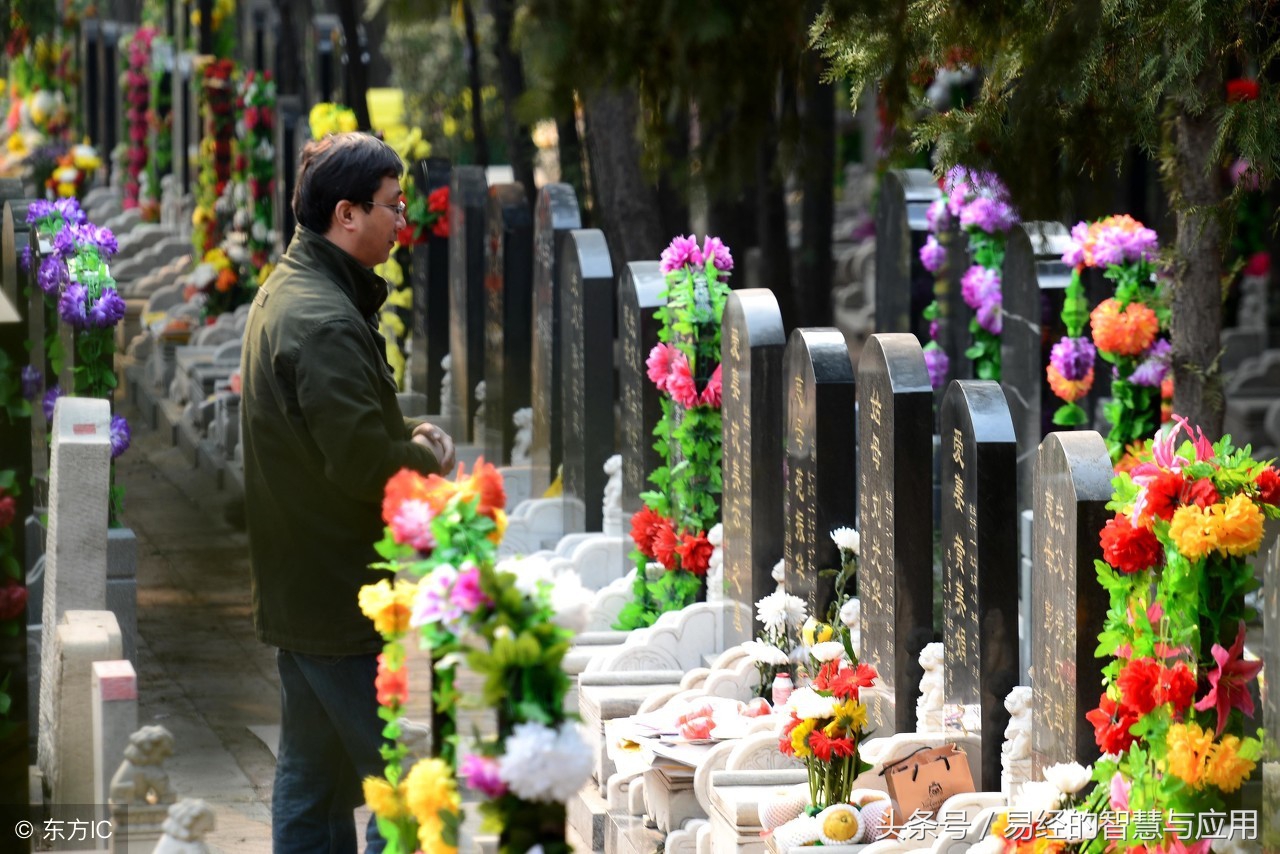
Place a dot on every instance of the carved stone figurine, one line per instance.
(929, 716)
(141, 778)
(447, 405)
(189, 820)
(1015, 753)
(715, 567)
(523, 419)
(612, 504)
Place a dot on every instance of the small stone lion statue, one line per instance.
(141, 778)
(189, 820)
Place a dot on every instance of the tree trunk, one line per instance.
(520, 148)
(357, 76)
(1196, 317)
(473, 76)
(573, 170)
(626, 202)
(288, 71)
(817, 173)
(771, 223)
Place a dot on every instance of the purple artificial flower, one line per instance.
(71, 211)
(71, 306)
(120, 435)
(987, 214)
(38, 210)
(933, 330)
(1073, 357)
(107, 309)
(991, 316)
(480, 773)
(64, 242)
(32, 380)
(1074, 256)
(432, 603)
(26, 258)
(50, 398)
(714, 250)
(51, 275)
(466, 593)
(979, 286)
(932, 255)
(1154, 366)
(105, 240)
(937, 217)
(683, 250)
(935, 359)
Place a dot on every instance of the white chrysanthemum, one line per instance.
(765, 653)
(1039, 797)
(571, 602)
(851, 613)
(530, 573)
(808, 703)
(827, 651)
(1068, 777)
(779, 610)
(543, 764)
(716, 535)
(778, 571)
(846, 538)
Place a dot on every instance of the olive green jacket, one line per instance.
(322, 433)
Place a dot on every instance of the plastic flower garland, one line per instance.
(217, 109)
(393, 321)
(137, 94)
(670, 531)
(326, 118)
(1187, 516)
(1126, 327)
(13, 593)
(256, 162)
(72, 171)
(1071, 361)
(160, 128)
(933, 255)
(979, 201)
(512, 633)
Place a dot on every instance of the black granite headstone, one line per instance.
(820, 438)
(752, 342)
(14, 237)
(430, 293)
(895, 445)
(904, 288)
(90, 90)
(1068, 605)
(292, 121)
(586, 335)
(555, 215)
(468, 195)
(954, 313)
(1034, 284)
(508, 302)
(108, 80)
(640, 294)
(979, 562)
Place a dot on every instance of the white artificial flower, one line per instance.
(259, 231)
(1039, 797)
(771, 611)
(827, 651)
(778, 572)
(808, 703)
(530, 573)
(537, 849)
(716, 535)
(544, 764)
(765, 653)
(846, 538)
(1068, 777)
(851, 613)
(571, 602)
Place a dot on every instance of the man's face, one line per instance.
(378, 224)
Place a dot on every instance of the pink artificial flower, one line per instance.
(432, 603)
(412, 525)
(1229, 681)
(659, 363)
(1120, 793)
(481, 774)
(682, 251)
(714, 250)
(680, 384)
(711, 395)
(1165, 445)
(466, 592)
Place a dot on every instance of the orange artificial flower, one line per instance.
(225, 282)
(1124, 331)
(1069, 390)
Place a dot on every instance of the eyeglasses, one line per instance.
(399, 207)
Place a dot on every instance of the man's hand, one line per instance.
(439, 443)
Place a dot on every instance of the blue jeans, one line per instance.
(330, 735)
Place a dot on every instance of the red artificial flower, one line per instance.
(1202, 492)
(1229, 681)
(695, 553)
(1242, 89)
(664, 544)
(8, 509)
(1127, 548)
(712, 394)
(680, 384)
(13, 600)
(1137, 682)
(1177, 686)
(850, 680)
(1111, 724)
(1268, 483)
(1259, 264)
(644, 527)
(826, 673)
(1164, 494)
(405, 236)
(659, 363)
(440, 228)
(821, 745)
(843, 747)
(784, 740)
(392, 685)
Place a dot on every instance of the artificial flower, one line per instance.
(389, 607)
(660, 363)
(1229, 681)
(780, 611)
(429, 789)
(765, 653)
(1130, 549)
(411, 524)
(1268, 485)
(392, 685)
(120, 435)
(1068, 777)
(433, 602)
(717, 254)
(1111, 724)
(1227, 767)
(1193, 532)
(681, 251)
(545, 764)
(695, 553)
(1238, 525)
(481, 773)
(665, 543)
(846, 539)
(8, 508)
(1137, 682)
(1124, 331)
(383, 799)
(937, 363)
(933, 254)
(1189, 747)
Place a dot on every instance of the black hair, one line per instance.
(341, 166)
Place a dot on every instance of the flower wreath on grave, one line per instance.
(137, 96)
(217, 150)
(1173, 717)
(327, 117)
(256, 167)
(670, 531)
(14, 408)
(79, 290)
(1126, 331)
(512, 630)
(159, 122)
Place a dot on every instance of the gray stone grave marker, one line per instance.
(508, 302)
(555, 215)
(903, 286)
(954, 313)
(895, 447)
(430, 293)
(467, 199)
(586, 334)
(980, 563)
(1068, 605)
(640, 290)
(752, 342)
(820, 491)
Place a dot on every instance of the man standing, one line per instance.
(322, 433)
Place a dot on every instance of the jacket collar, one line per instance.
(365, 288)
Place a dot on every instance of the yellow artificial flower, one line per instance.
(1193, 532)
(1227, 769)
(500, 525)
(265, 271)
(431, 838)
(800, 738)
(85, 158)
(391, 323)
(388, 607)
(217, 258)
(17, 145)
(814, 632)
(1189, 747)
(401, 298)
(66, 190)
(385, 800)
(449, 126)
(391, 271)
(1237, 525)
(429, 789)
(850, 717)
(395, 358)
